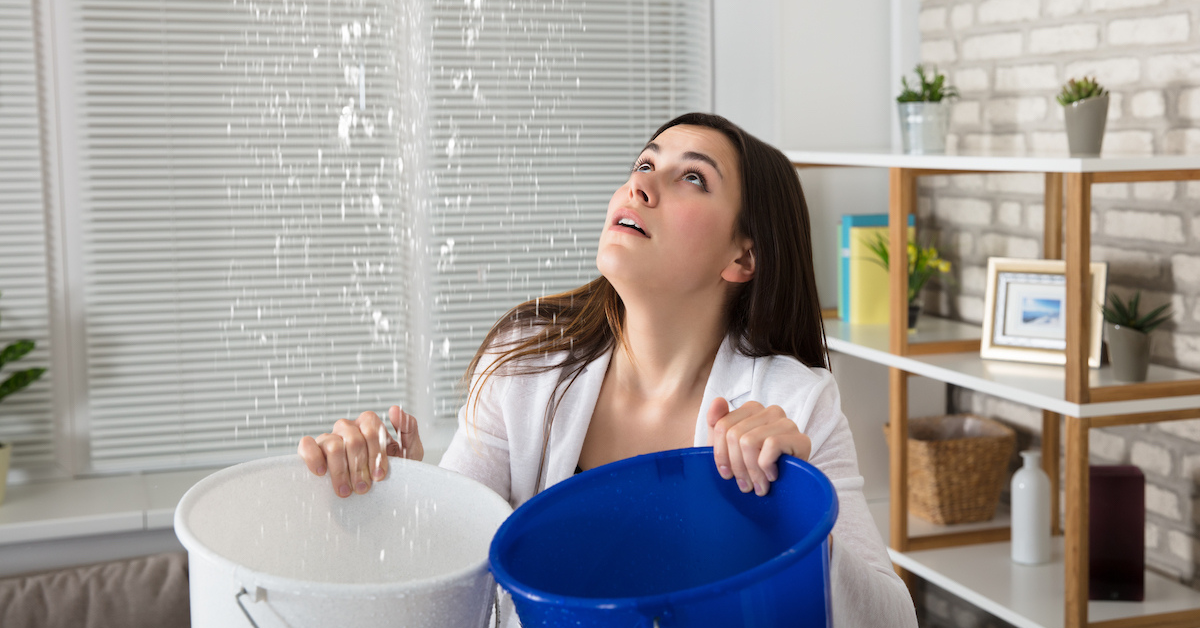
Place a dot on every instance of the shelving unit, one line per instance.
(973, 561)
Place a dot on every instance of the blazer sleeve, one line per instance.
(480, 447)
(865, 589)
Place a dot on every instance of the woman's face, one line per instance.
(670, 230)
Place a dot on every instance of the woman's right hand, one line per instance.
(356, 453)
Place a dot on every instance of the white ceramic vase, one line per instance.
(1031, 511)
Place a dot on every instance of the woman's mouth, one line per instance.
(630, 223)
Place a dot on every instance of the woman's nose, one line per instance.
(641, 189)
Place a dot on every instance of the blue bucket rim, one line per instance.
(814, 538)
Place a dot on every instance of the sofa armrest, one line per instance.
(151, 591)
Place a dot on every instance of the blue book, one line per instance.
(845, 224)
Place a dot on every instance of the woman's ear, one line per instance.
(741, 269)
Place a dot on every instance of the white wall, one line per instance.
(813, 75)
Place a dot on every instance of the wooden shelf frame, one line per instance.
(1064, 237)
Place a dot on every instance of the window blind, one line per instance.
(537, 111)
(243, 219)
(26, 418)
(287, 209)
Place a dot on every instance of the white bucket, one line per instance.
(270, 544)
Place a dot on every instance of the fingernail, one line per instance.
(743, 485)
(361, 487)
(759, 490)
(772, 475)
(320, 470)
(725, 472)
(379, 474)
(344, 490)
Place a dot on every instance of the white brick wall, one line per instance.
(1144, 225)
(1005, 11)
(1189, 103)
(1151, 458)
(1149, 31)
(1015, 110)
(1116, 5)
(1068, 38)
(1110, 72)
(994, 46)
(1027, 78)
(1012, 58)
(1163, 502)
(971, 80)
(1150, 104)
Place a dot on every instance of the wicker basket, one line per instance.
(956, 467)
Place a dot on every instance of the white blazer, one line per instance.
(502, 446)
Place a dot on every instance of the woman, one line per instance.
(703, 329)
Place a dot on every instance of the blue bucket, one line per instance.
(662, 540)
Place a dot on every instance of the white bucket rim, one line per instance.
(249, 577)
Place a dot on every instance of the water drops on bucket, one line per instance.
(268, 542)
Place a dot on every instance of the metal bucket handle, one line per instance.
(258, 596)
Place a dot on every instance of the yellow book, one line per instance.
(868, 278)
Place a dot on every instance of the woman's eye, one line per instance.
(642, 167)
(695, 178)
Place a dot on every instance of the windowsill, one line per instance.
(141, 502)
(60, 509)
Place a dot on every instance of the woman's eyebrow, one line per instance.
(690, 156)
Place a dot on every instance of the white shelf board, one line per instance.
(995, 160)
(1036, 385)
(918, 527)
(1027, 596)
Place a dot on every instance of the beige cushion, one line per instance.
(151, 591)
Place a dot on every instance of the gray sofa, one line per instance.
(150, 592)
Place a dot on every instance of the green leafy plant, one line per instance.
(923, 263)
(932, 87)
(20, 379)
(1082, 89)
(1125, 313)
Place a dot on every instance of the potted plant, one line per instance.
(925, 112)
(923, 264)
(1085, 106)
(1128, 334)
(18, 380)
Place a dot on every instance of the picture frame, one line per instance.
(1025, 308)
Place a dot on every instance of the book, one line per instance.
(862, 282)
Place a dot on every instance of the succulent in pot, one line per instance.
(1085, 110)
(925, 111)
(1128, 333)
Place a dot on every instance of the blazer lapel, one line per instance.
(732, 377)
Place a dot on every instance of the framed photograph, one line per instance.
(1024, 316)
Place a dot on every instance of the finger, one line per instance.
(717, 411)
(410, 437)
(356, 454)
(744, 466)
(393, 447)
(312, 455)
(376, 437)
(335, 455)
(791, 443)
(755, 441)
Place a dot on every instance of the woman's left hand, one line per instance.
(748, 441)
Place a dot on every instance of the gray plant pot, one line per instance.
(1129, 351)
(1086, 120)
(923, 126)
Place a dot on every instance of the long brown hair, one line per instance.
(775, 313)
